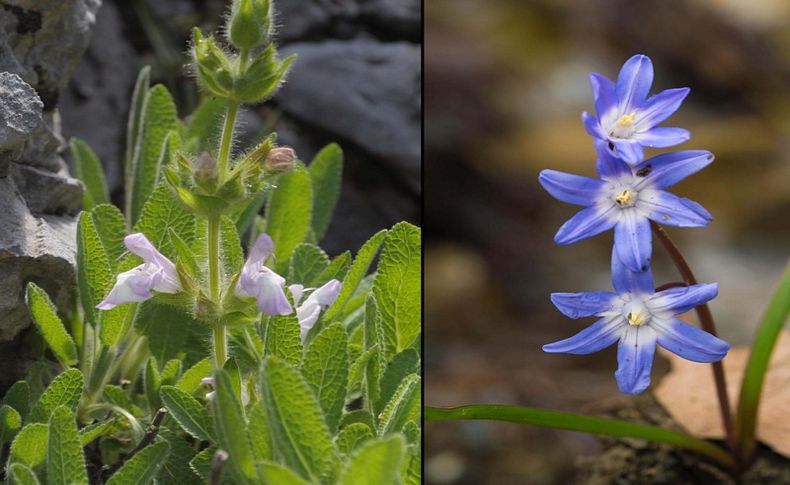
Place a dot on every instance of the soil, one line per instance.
(628, 461)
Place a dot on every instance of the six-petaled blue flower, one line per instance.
(639, 318)
(626, 199)
(627, 118)
(629, 194)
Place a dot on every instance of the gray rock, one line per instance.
(399, 17)
(369, 94)
(39, 249)
(95, 104)
(46, 192)
(20, 115)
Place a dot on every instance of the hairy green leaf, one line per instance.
(142, 468)
(162, 212)
(326, 172)
(10, 422)
(373, 337)
(325, 369)
(359, 366)
(288, 214)
(18, 397)
(65, 390)
(30, 445)
(376, 462)
(134, 127)
(282, 338)
(298, 428)
(97, 430)
(190, 381)
(404, 363)
(358, 271)
(159, 119)
(65, 460)
(353, 435)
(190, 414)
(94, 273)
(358, 416)
(152, 381)
(90, 172)
(22, 475)
(171, 331)
(176, 469)
(111, 229)
(403, 407)
(275, 473)
(259, 434)
(337, 270)
(307, 263)
(45, 316)
(397, 287)
(231, 428)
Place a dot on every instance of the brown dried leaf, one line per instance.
(688, 393)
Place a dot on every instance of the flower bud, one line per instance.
(280, 159)
(204, 172)
(212, 65)
(249, 24)
(262, 77)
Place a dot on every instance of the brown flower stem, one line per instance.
(707, 324)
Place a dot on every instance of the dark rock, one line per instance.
(369, 94)
(47, 192)
(20, 115)
(95, 104)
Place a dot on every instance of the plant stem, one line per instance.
(223, 160)
(227, 140)
(707, 324)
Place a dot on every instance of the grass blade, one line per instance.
(753, 378)
(577, 422)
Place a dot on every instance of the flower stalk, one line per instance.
(707, 324)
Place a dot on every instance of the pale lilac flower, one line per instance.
(209, 382)
(260, 282)
(157, 273)
(639, 318)
(308, 312)
(627, 118)
(627, 199)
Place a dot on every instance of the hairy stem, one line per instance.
(707, 324)
(223, 160)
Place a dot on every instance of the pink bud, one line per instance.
(280, 160)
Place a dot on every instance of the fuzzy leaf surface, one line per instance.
(326, 172)
(45, 316)
(325, 368)
(65, 460)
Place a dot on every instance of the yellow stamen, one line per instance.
(627, 120)
(636, 319)
(625, 197)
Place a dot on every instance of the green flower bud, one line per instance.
(213, 67)
(204, 172)
(250, 23)
(262, 77)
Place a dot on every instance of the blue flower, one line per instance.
(626, 199)
(626, 118)
(639, 318)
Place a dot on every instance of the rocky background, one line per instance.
(40, 42)
(356, 81)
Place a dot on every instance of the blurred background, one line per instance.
(356, 82)
(505, 84)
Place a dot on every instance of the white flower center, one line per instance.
(624, 127)
(637, 314)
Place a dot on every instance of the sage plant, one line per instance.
(630, 197)
(185, 362)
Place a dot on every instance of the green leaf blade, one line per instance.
(326, 172)
(65, 390)
(298, 428)
(90, 172)
(231, 428)
(288, 214)
(142, 468)
(397, 287)
(65, 459)
(325, 369)
(188, 412)
(577, 422)
(376, 462)
(45, 316)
